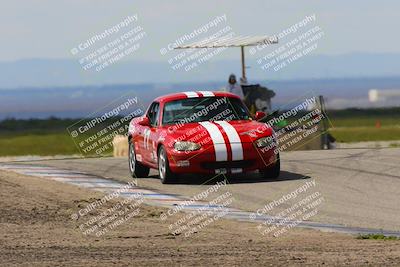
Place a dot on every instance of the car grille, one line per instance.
(227, 164)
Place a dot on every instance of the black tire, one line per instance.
(272, 171)
(137, 169)
(166, 176)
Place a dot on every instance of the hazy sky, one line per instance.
(50, 28)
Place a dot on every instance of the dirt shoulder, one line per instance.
(37, 230)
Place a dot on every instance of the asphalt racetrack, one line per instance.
(360, 187)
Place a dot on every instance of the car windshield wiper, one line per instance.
(173, 121)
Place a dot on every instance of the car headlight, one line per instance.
(186, 146)
(265, 141)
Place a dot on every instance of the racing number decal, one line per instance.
(149, 145)
(146, 141)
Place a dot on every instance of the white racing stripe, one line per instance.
(221, 152)
(207, 93)
(234, 140)
(191, 94)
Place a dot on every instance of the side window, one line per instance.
(153, 114)
(154, 122)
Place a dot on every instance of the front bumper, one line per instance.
(203, 161)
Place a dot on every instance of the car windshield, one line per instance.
(204, 109)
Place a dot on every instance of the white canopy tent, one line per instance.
(235, 41)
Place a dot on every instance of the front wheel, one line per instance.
(166, 176)
(274, 171)
(136, 168)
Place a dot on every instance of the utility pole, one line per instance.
(243, 64)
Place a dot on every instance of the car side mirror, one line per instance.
(144, 121)
(260, 115)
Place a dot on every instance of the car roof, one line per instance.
(193, 94)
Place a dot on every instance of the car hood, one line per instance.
(210, 132)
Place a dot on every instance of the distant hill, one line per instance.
(79, 101)
(68, 72)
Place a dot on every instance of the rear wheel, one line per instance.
(272, 171)
(137, 169)
(166, 176)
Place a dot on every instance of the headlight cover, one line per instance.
(186, 146)
(265, 141)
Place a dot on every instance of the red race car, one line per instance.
(201, 132)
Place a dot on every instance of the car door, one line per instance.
(150, 134)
